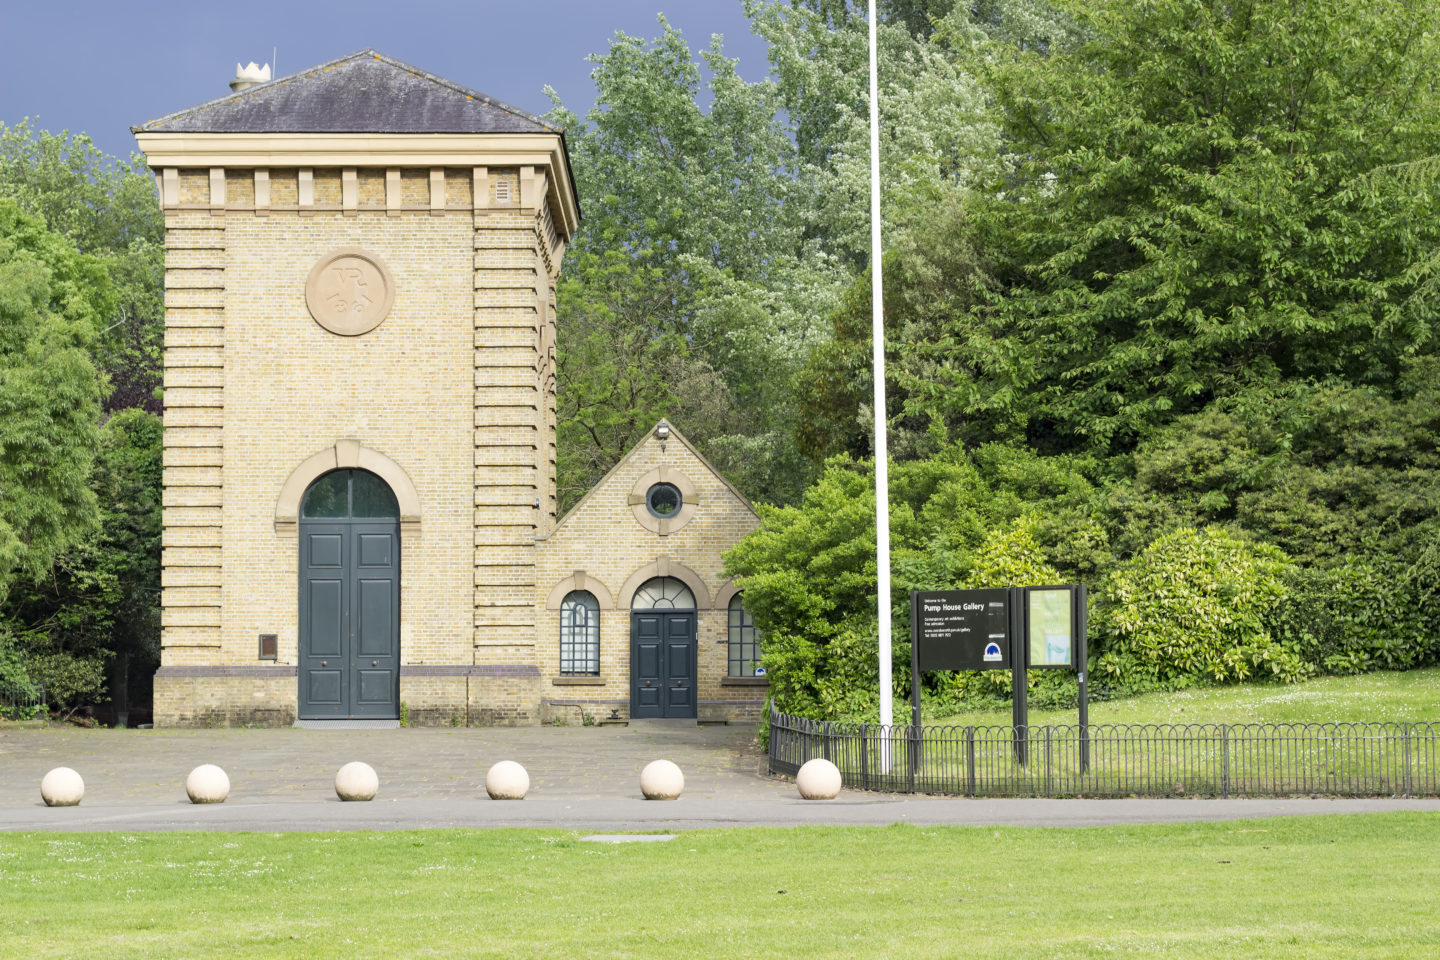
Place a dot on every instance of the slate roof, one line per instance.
(365, 92)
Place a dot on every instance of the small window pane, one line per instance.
(663, 593)
(372, 497)
(744, 640)
(580, 634)
(664, 500)
(328, 498)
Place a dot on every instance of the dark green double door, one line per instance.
(349, 620)
(662, 664)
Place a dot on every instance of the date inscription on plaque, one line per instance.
(349, 292)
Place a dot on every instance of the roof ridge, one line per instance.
(370, 53)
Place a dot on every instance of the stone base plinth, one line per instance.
(430, 696)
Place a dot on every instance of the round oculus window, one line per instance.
(663, 500)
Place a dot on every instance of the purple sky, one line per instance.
(101, 67)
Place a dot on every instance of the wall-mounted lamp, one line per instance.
(662, 432)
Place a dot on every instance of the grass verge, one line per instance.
(1314, 887)
(1405, 696)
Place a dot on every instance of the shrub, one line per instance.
(1372, 612)
(69, 681)
(992, 517)
(1193, 606)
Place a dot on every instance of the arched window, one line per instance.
(663, 593)
(744, 640)
(349, 494)
(580, 634)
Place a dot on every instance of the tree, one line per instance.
(1200, 207)
(938, 137)
(931, 275)
(107, 209)
(695, 284)
(51, 297)
(97, 612)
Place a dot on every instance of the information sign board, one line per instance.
(961, 629)
(1050, 615)
(1010, 629)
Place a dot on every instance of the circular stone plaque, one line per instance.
(349, 292)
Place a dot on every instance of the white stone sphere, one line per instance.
(507, 780)
(207, 783)
(357, 781)
(661, 780)
(818, 779)
(62, 787)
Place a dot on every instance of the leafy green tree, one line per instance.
(938, 138)
(51, 297)
(1324, 471)
(695, 284)
(622, 366)
(96, 616)
(107, 209)
(1345, 479)
(1202, 204)
(931, 275)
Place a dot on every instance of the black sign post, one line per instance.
(1020, 689)
(1015, 629)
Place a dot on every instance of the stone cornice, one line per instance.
(250, 150)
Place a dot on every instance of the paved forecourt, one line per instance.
(580, 778)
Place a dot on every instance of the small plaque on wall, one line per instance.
(269, 646)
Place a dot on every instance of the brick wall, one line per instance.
(456, 387)
(450, 387)
(603, 538)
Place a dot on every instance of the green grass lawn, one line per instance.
(1311, 887)
(1408, 696)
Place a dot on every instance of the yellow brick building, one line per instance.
(360, 506)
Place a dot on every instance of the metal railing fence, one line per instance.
(21, 703)
(1168, 760)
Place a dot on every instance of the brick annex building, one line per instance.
(360, 501)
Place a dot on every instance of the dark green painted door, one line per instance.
(662, 664)
(349, 611)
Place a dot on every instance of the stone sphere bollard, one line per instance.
(62, 787)
(818, 779)
(357, 781)
(507, 780)
(207, 783)
(661, 780)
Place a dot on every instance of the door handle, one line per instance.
(374, 663)
(324, 663)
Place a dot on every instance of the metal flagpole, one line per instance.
(882, 465)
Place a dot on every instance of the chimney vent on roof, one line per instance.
(247, 77)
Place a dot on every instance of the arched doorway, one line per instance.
(349, 599)
(662, 650)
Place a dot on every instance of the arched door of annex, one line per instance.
(663, 650)
(349, 664)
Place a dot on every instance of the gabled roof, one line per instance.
(648, 437)
(365, 92)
